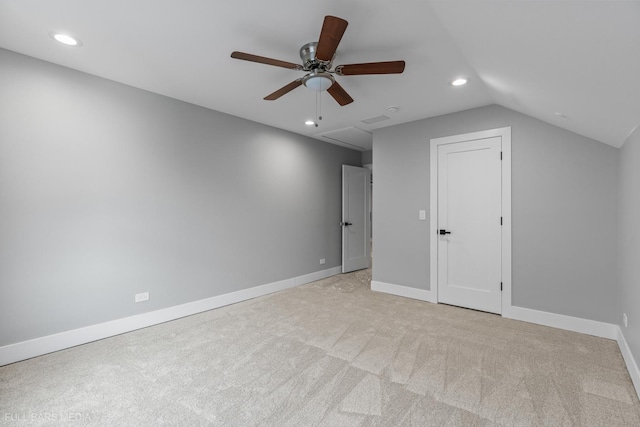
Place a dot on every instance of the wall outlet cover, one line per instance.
(144, 296)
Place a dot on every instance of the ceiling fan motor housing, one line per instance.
(309, 60)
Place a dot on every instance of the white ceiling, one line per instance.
(577, 58)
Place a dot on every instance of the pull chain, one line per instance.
(318, 107)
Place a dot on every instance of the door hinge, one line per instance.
(500, 220)
(501, 155)
(500, 286)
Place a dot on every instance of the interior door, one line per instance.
(469, 224)
(356, 252)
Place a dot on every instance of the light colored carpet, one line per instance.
(329, 353)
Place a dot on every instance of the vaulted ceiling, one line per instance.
(574, 64)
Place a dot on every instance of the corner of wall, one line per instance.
(629, 360)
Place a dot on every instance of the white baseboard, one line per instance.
(36, 347)
(629, 360)
(575, 324)
(316, 275)
(560, 321)
(402, 291)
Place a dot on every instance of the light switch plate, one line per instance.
(422, 215)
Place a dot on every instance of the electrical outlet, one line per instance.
(144, 296)
(624, 319)
(322, 261)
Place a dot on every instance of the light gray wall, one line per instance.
(107, 191)
(367, 157)
(630, 241)
(564, 210)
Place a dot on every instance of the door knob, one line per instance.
(345, 224)
(443, 232)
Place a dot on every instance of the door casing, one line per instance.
(505, 135)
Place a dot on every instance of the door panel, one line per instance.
(355, 218)
(469, 208)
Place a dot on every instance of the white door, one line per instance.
(469, 224)
(355, 218)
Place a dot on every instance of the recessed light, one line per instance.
(66, 39)
(309, 123)
(459, 82)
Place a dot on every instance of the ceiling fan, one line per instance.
(317, 58)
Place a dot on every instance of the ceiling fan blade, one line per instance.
(332, 31)
(265, 60)
(390, 67)
(283, 90)
(339, 94)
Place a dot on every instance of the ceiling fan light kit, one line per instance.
(317, 58)
(318, 80)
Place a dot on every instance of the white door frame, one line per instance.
(505, 134)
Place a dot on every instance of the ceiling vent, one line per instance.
(372, 120)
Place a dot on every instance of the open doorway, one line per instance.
(356, 214)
